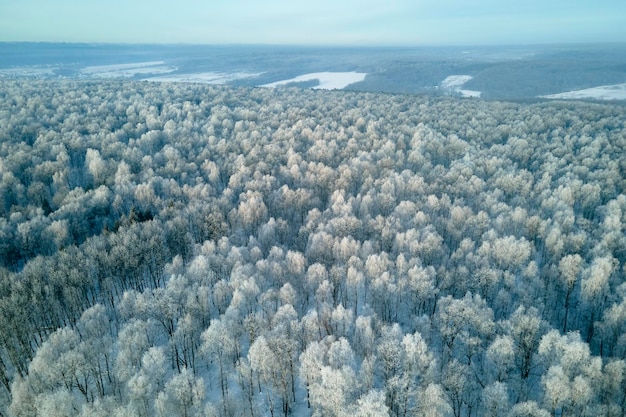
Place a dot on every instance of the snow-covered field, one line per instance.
(469, 93)
(603, 92)
(27, 72)
(326, 80)
(453, 83)
(127, 70)
(204, 77)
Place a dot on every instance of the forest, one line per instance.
(196, 250)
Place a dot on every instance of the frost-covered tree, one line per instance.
(465, 324)
(569, 268)
(374, 254)
(595, 287)
(183, 396)
(218, 345)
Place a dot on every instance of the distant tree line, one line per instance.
(183, 250)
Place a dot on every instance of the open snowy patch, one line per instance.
(204, 77)
(127, 70)
(27, 72)
(469, 93)
(326, 80)
(453, 83)
(603, 92)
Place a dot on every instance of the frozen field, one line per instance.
(455, 81)
(34, 72)
(127, 70)
(603, 92)
(326, 80)
(453, 84)
(204, 77)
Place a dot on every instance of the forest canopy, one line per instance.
(183, 250)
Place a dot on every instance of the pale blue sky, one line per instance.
(345, 22)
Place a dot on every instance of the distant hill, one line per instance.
(509, 73)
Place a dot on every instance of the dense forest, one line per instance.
(189, 250)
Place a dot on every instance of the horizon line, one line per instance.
(320, 45)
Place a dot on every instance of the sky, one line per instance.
(319, 22)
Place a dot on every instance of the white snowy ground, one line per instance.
(203, 77)
(455, 81)
(454, 84)
(27, 72)
(603, 92)
(326, 80)
(127, 70)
